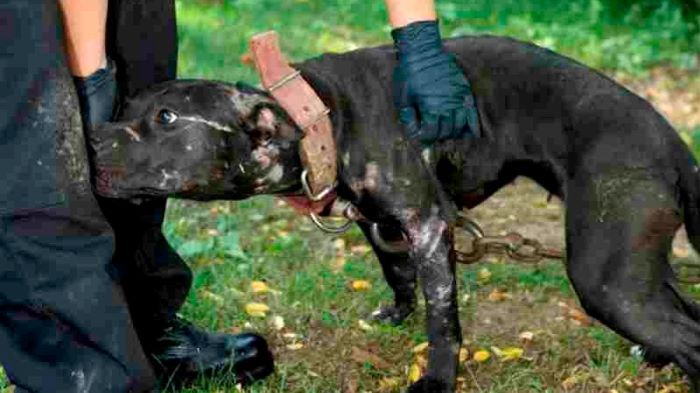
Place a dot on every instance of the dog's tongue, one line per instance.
(304, 205)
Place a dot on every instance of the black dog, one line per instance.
(627, 179)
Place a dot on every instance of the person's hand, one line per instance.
(97, 95)
(432, 94)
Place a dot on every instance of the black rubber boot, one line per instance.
(185, 352)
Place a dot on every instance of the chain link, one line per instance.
(523, 249)
(513, 245)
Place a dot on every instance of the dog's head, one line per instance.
(199, 140)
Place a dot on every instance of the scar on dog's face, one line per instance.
(198, 140)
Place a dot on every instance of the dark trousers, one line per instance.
(80, 297)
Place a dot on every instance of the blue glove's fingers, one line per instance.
(429, 130)
(461, 123)
(429, 81)
(409, 118)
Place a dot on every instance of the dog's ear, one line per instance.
(268, 121)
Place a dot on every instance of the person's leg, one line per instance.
(142, 40)
(64, 324)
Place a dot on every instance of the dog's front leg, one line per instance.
(431, 249)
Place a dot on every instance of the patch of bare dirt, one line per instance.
(675, 93)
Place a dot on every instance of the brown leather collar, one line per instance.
(295, 95)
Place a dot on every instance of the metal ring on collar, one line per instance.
(390, 247)
(336, 230)
(307, 190)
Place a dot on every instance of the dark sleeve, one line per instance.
(142, 39)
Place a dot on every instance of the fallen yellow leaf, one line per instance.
(421, 361)
(526, 336)
(572, 381)
(295, 346)
(498, 296)
(511, 353)
(259, 287)
(387, 383)
(414, 373)
(256, 309)
(277, 322)
(481, 356)
(339, 245)
(580, 317)
(364, 325)
(363, 356)
(361, 285)
(212, 296)
(484, 274)
(463, 355)
(421, 347)
(360, 249)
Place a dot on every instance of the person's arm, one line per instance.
(84, 25)
(431, 93)
(404, 12)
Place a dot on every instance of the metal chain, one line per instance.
(513, 244)
(522, 249)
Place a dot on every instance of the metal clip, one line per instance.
(307, 190)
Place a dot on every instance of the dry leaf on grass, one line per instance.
(259, 287)
(672, 388)
(365, 357)
(579, 317)
(481, 356)
(388, 384)
(414, 373)
(277, 322)
(484, 275)
(257, 309)
(422, 347)
(212, 296)
(360, 285)
(360, 249)
(526, 336)
(295, 346)
(363, 325)
(463, 355)
(497, 295)
(508, 353)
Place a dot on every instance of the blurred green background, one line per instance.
(622, 35)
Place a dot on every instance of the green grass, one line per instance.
(214, 35)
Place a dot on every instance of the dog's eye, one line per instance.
(166, 117)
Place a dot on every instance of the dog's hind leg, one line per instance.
(400, 274)
(619, 233)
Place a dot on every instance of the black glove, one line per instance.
(97, 95)
(432, 94)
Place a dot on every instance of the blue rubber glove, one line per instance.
(432, 94)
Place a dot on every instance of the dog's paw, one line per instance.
(429, 385)
(650, 356)
(390, 315)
